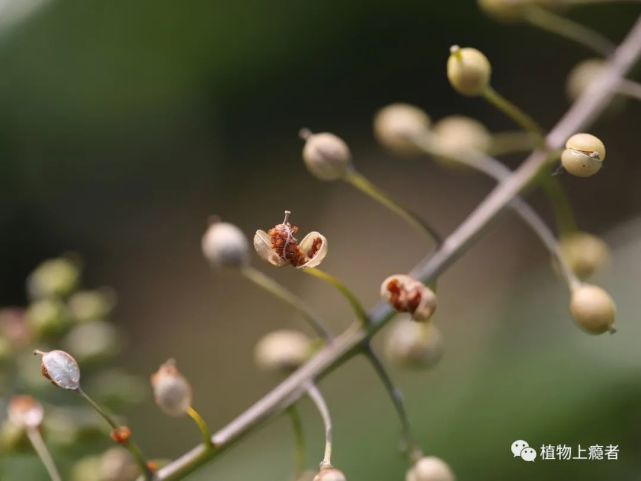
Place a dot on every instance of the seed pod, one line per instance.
(279, 247)
(414, 345)
(96, 305)
(430, 468)
(326, 155)
(406, 294)
(282, 351)
(468, 70)
(172, 391)
(583, 155)
(55, 277)
(117, 465)
(584, 253)
(330, 474)
(397, 125)
(26, 412)
(582, 75)
(458, 135)
(61, 369)
(225, 245)
(593, 309)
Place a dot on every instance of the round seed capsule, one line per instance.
(414, 345)
(61, 369)
(468, 70)
(593, 309)
(326, 155)
(282, 351)
(25, 411)
(583, 155)
(585, 253)
(172, 392)
(430, 468)
(406, 294)
(396, 125)
(458, 135)
(225, 245)
(330, 474)
(582, 75)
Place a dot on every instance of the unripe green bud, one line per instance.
(55, 277)
(583, 155)
(48, 317)
(330, 474)
(582, 75)
(326, 155)
(282, 351)
(468, 71)
(458, 135)
(593, 309)
(584, 253)
(396, 125)
(172, 391)
(430, 468)
(225, 245)
(86, 306)
(414, 345)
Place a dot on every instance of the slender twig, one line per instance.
(288, 297)
(359, 181)
(564, 27)
(318, 399)
(202, 425)
(39, 446)
(409, 445)
(522, 119)
(587, 107)
(495, 169)
(629, 88)
(358, 308)
(300, 451)
(504, 143)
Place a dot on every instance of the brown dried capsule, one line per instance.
(406, 294)
(121, 435)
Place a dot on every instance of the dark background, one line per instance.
(125, 124)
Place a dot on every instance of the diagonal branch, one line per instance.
(354, 339)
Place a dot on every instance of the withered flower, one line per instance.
(280, 247)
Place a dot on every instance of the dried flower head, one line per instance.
(225, 245)
(430, 468)
(406, 294)
(468, 70)
(397, 125)
(593, 309)
(26, 412)
(60, 368)
(282, 351)
(279, 246)
(414, 345)
(582, 75)
(326, 155)
(585, 253)
(330, 474)
(583, 155)
(172, 391)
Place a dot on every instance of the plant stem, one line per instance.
(202, 426)
(561, 206)
(564, 27)
(505, 143)
(359, 181)
(629, 88)
(522, 119)
(43, 453)
(289, 298)
(131, 446)
(318, 399)
(409, 445)
(300, 452)
(358, 308)
(587, 107)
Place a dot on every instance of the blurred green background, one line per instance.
(125, 124)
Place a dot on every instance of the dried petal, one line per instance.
(263, 246)
(61, 369)
(25, 411)
(314, 247)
